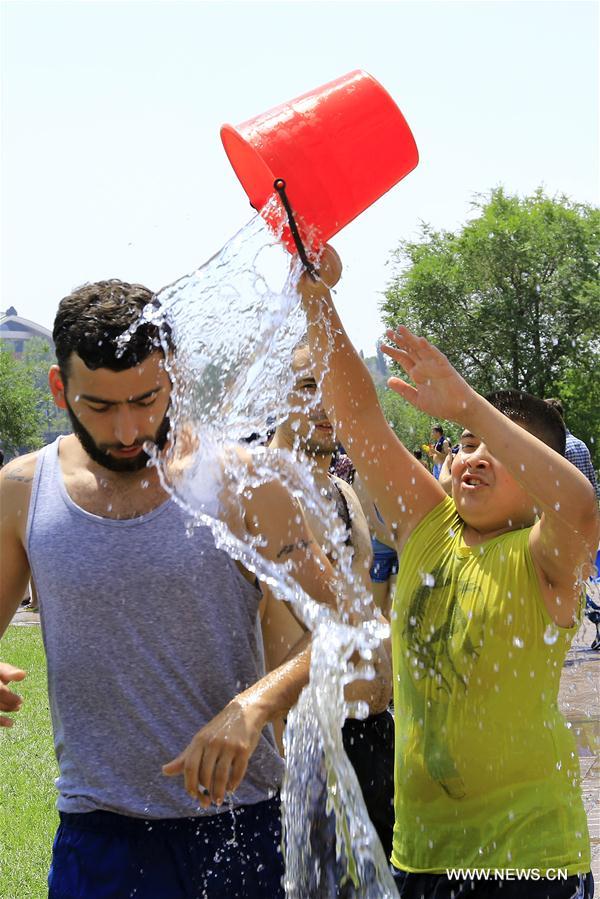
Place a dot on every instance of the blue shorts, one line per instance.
(385, 562)
(101, 855)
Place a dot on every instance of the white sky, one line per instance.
(112, 165)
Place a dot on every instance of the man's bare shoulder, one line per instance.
(16, 479)
(20, 470)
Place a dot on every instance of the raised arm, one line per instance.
(402, 489)
(565, 538)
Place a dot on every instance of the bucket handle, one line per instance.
(280, 185)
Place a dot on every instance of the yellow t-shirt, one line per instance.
(486, 772)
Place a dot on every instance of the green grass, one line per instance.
(28, 818)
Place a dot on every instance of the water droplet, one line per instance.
(518, 642)
(551, 634)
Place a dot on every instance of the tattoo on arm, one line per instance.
(16, 476)
(290, 547)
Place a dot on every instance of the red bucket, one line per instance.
(338, 148)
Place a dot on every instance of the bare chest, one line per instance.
(360, 542)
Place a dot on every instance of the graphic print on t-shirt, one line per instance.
(443, 641)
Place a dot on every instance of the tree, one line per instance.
(37, 358)
(579, 391)
(20, 423)
(512, 298)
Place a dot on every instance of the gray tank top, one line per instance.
(148, 633)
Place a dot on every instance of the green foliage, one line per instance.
(410, 425)
(37, 357)
(512, 298)
(28, 817)
(579, 391)
(27, 409)
(20, 422)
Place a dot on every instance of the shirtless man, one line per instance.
(312, 434)
(151, 635)
(369, 744)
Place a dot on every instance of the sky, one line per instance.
(112, 164)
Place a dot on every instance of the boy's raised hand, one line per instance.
(438, 388)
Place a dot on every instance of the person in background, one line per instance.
(418, 454)
(576, 451)
(341, 465)
(440, 446)
(369, 743)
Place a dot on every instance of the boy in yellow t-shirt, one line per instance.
(487, 601)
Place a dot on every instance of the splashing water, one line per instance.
(234, 323)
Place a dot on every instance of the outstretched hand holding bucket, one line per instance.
(337, 149)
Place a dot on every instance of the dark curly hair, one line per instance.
(532, 413)
(91, 319)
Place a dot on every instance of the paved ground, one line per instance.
(580, 703)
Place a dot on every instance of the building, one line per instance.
(16, 331)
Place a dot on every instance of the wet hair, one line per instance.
(532, 413)
(91, 319)
(555, 403)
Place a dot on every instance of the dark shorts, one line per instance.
(385, 562)
(438, 886)
(232, 855)
(369, 745)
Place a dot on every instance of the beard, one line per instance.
(99, 452)
(318, 443)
